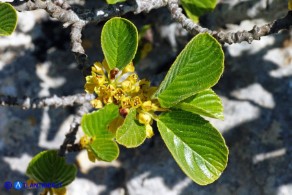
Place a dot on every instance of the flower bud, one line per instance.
(91, 156)
(144, 118)
(147, 106)
(124, 112)
(113, 73)
(129, 68)
(149, 131)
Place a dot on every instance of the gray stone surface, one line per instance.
(256, 89)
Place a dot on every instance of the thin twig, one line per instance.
(77, 18)
(230, 37)
(71, 136)
(55, 101)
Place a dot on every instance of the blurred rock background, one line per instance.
(256, 89)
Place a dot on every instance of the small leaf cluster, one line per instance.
(127, 105)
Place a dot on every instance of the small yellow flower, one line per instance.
(126, 86)
(129, 68)
(96, 103)
(84, 141)
(100, 79)
(136, 102)
(119, 94)
(149, 131)
(91, 83)
(110, 90)
(97, 68)
(135, 89)
(127, 94)
(144, 118)
(133, 78)
(126, 102)
(101, 91)
(108, 99)
(147, 106)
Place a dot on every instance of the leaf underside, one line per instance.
(47, 166)
(8, 19)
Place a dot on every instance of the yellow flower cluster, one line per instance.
(124, 89)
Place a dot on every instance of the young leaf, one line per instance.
(114, 1)
(131, 134)
(196, 8)
(198, 148)
(197, 68)
(205, 103)
(47, 166)
(119, 42)
(105, 149)
(95, 124)
(8, 19)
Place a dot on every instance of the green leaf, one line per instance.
(131, 134)
(8, 19)
(196, 8)
(198, 67)
(205, 103)
(114, 1)
(105, 149)
(95, 124)
(47, 166)
(198, 148)
(119, 42)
